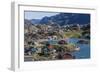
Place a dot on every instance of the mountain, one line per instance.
(66, 18)
(35, 21)
(61, 19)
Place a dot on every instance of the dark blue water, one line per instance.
(84, 51)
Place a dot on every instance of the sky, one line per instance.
(37, 15)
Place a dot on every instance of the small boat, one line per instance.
(77, 48)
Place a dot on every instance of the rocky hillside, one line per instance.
(61, 19)
(66, 18)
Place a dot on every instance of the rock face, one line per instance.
(68, 56)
